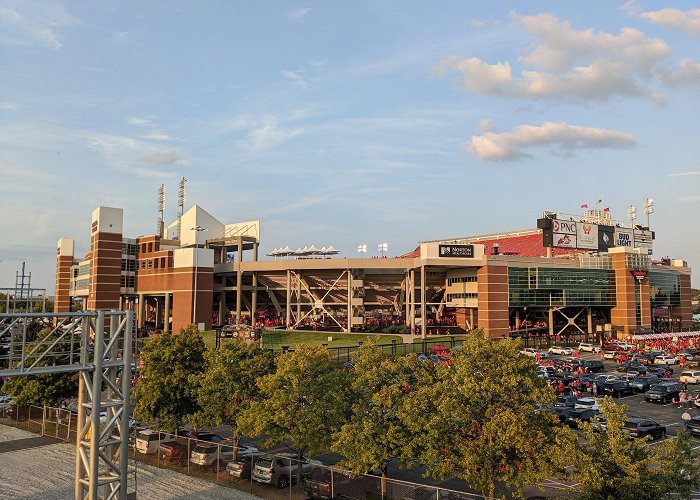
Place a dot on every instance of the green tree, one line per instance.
(609, 465)
(479, 421)
(229, 386)
(168, 386)
(49, 388)
(304, 402)
(376, 435)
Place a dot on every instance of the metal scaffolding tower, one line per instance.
(97, 345)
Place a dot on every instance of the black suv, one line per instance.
(580, 415)
(593, 366)
(642, 427)
(617, 388)
(693, 426)
(643, 383)
(663, 393)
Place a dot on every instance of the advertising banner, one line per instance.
(624, 237)
(606, 237)
(587, 235)
(564, 240)
(465, 251)
(643, 239)
(563, 227)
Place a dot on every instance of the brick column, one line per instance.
(106, 258)
(492, 281)
(64, 261)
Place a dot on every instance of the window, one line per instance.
(150, 247)
(155, 263)
(149, 264)
(162, 262)
(451, 297)
(461, 279)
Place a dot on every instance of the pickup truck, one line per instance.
(174, 452)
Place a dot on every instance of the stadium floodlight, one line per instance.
(648, 208)
(361, 248)
(383, 248)
(632, 214)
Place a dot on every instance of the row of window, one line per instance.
(461, 279)
(128, 282)
(129, 248)
(451, 297)
(156, 263)
(128, 265)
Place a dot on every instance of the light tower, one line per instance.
(632, 214)
(648, 209)
(361, 248)
(383, 248)
(181, 204)
(161, 204)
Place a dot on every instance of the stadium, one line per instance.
(571, 276)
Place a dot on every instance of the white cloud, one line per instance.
(690, 199)
(570, 64)
(299, 14)
(688, 72)
(684, 174)
(675, 19)
(166, 158)
(30, 23)
(294, 77)
(560, 137)
(139, 122)
(264, 134)
(486, 125)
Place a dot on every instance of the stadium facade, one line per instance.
(570, 276)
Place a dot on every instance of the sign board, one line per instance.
(461, 251)
(564, 240)
(643, 238)
(624, 237)
(563, 226)
(606, 238)
(640, 275)
(587, 235)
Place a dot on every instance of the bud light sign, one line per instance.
(623, 238)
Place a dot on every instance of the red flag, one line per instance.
(584, 205)
(606, 209)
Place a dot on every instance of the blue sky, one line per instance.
(345, 122)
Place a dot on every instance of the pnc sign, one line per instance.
(564, 227)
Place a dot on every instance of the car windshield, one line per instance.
(630, 424)
(264, 462)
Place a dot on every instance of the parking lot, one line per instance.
(665, 414)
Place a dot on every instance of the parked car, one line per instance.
(566, 401)
(576, 416)
(148, 441)
(642, 427)
(609, 354)
(593, 366)
(561, 411)
(586, 347)
(690, 377)
(174, 452)
(532, 352)
(663, 393)
(617, 388)
(643, 383)
(660, 371)
(631, 365)
(665, 359)
(693, 426)
(624, 346)
(557, 349)
(216, 456)
(207, 437)
(281, 469)
(241, 468)
(586, 404)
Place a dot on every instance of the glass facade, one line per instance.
(665, 289)
(543, 287)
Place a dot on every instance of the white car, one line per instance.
(565, 351)
(530, 351)
(624, 346)
(587, 404)
(583, 346)
(665, 359)
(609, 354)
(690, 377)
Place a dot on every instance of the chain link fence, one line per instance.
(272, 475)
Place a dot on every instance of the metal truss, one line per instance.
(98, 345)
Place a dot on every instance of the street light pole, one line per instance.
(197, 230)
